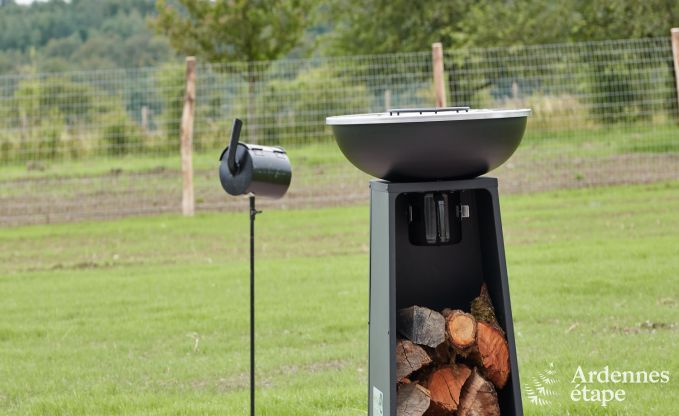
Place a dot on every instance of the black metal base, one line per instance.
(438, 276)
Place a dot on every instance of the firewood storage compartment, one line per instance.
(438, 275)
(441, 339)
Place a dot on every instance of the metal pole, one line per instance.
(253, 213)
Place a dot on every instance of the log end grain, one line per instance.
(478, 397)
(410, 357)
(460, 329)
(422, 326)
(445, 385)
(412, 400)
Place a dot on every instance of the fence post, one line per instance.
(387, 99)
(675, 52)
(186, 138)
(437, 65)
(144, 119)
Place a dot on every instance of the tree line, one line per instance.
(58, 36)
(61, 35)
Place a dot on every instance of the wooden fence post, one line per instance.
(437, 65)
(387, 99)
(144, 119)
(675, 52)
(186, 137)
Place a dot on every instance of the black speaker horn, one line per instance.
(249, 168)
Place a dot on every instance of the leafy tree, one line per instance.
(623, 19)
(387, 26)
(381, 26)
(239, 30)
(234, 31)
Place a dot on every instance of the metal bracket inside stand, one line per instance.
(463, 211)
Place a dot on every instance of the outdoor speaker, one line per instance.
(248, 168)
(256, 171)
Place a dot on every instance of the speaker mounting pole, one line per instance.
(253, 214)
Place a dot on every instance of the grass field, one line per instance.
(538, 144)
(54, 191)
(148, 315)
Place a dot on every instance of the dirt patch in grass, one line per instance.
(119, 193)
(647, 326)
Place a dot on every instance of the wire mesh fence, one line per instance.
(95, 144)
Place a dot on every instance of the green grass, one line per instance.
(307, 156)
(602, 141)
(538, 144)
(148, 315)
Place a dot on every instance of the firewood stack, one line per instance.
(451, 362)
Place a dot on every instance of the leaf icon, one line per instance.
(536, 392)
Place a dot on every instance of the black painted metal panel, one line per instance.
(436, 276)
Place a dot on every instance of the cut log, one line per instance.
(460, 329)
(410, 357)
(422, 326)
(478, 397)
(492, 354)
(483, 310)
(444, 386)
(412, 400)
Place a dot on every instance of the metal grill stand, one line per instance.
(433, 244)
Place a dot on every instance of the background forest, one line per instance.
(56, 35)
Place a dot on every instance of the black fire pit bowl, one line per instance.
(426, 144)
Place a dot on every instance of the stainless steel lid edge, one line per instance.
(427, 116)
